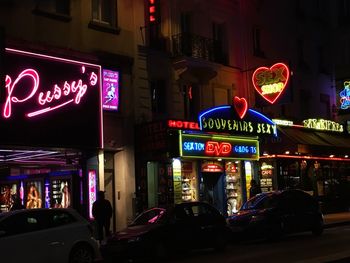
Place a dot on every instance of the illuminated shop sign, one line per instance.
(270, 82)
(283, 122)
(212, 167)
(184, 125)
(345, 96)
(92, 190)
(321, 124)
(110, 90)
(215, 146)
(58, 96)
(237, 119)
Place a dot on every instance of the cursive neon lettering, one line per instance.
(53, 99)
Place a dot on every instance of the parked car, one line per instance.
(273, 214)
(46, 235)
(158, 232)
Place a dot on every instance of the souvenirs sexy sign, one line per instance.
(271, 82)
(237, 119)
(50, 101)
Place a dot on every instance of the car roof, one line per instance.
(24, 211)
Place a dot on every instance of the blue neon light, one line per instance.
(211, 110)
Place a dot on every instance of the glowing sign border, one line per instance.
(223, 139)
(258, 88)
(69, 61)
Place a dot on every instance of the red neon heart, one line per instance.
(241, 106)
(270, 82)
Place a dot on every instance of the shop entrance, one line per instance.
(212, 189)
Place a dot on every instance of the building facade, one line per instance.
(84, 142)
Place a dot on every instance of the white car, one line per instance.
(46, 235)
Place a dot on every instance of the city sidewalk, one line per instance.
(336, 219)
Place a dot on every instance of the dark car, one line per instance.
(158, 232)
(274, 214)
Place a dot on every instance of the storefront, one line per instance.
(312, 156)
(51, 132)
(211, 160)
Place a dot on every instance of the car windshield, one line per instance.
(260, 202)
(152, 216)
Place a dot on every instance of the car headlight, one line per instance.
(257, 218)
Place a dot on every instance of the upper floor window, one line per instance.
(104, 16)
(343, 12)
(158, 97)
(257, 51)
(103, 11)
(57, 9)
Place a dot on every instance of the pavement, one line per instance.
(335, 219)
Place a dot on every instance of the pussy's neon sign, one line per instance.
(60, 95)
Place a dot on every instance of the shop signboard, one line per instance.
(237, 119)
(216, 146)
(270, 83)
(50, 101)
(110, 90)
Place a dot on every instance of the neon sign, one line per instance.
(215, 146)
(236, 119)
(178, 124)
(92, 190)
(110, 90)
(55, 99)
(241, 106)
(45, 93)
(321, 124)
(345, 96)
(270, 82)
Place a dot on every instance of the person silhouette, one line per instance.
(102, 213)
(254, 188)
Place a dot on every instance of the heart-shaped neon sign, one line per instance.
(270, 82)
(241, 106)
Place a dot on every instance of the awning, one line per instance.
(306, 141)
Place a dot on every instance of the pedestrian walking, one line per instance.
(102, 213)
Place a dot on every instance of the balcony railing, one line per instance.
(195, 46)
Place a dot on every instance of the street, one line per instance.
(333, 245)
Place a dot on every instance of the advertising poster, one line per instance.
(61, 193)
(110, 92)
(8, 194)
(34, 197)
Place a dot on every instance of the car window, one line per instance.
(149, 217)
(23, 223)
(58, 218)
(203, 210)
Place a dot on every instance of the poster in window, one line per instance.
(34, 198)
(61, 193)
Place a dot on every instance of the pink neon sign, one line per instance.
(58, 95)
(92, 190)
(50, 100)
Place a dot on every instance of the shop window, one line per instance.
(104, 16)
(56, 9)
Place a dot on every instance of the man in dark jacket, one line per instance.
(102, 212)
